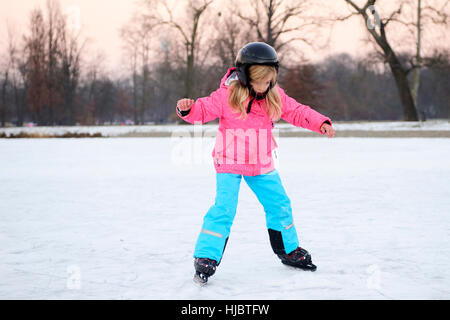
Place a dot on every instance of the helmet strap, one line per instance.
(259, 96)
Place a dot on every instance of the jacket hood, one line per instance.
(228, 77)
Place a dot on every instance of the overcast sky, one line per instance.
(100, 21)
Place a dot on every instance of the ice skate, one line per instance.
(204, 268)
(299, 258)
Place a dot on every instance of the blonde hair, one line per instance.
(238, 94)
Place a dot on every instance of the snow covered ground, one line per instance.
(118, 219)
(167, 130)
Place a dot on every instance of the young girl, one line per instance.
(247, 104)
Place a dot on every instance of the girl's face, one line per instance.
(260, 86)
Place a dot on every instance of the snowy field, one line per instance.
(167, 130)
(118, 219)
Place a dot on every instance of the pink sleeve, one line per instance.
(206, 109)
(301, 115)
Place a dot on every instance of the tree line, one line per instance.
(175, 52)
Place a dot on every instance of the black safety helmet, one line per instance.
(254, 53)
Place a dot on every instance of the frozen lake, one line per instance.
(118, 219)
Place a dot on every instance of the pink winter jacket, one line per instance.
(244, 146)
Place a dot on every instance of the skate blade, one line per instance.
(200, 281)
(311, 268)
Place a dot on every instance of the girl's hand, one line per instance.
(327, 129)
(185, 104)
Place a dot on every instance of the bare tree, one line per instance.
(145, 35)
(3, 88)
(54, 30)
(377, 28)
(131, 47)
(35, 50)
(137, 36)
(93, 75)
(70, 70)
(189, 31)
(279, 22)
(13, 64)
(53, 66)
(425, 15)
(418, 62)
(4, 79)
(231, 36)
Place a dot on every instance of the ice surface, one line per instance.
(118, 219)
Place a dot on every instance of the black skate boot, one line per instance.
(299, 258)
(204, 268)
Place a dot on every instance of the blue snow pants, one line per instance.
(218, 220)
